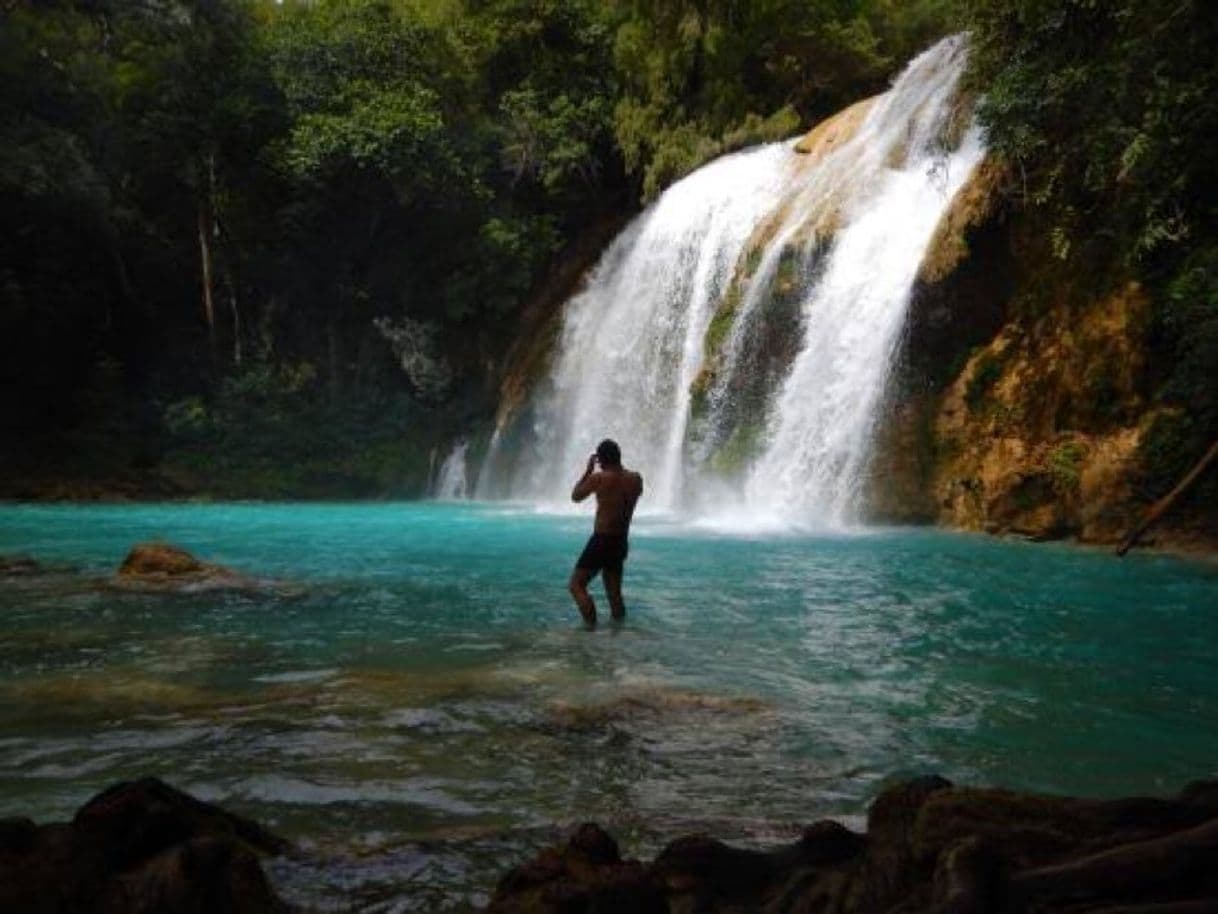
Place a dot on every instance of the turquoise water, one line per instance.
(414, 702)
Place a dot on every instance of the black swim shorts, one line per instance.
(604, 551)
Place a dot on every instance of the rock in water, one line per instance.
(140, 847)
(165, 566)
(160, 558)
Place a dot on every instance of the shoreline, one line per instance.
(1166, 541)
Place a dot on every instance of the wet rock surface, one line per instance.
(166, 563)
(164, 566)
(18, 566)
(139, 847)
(929, 846)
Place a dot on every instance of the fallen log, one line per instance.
(1163, 505)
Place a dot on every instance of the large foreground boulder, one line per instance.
(140, 847)
(929, 847)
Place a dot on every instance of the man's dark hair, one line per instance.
(609, 453)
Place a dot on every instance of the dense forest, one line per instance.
(281, 249)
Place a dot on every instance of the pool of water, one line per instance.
(415, 703)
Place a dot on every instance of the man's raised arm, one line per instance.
(587, 483)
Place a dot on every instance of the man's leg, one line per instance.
(613, 590)
(578, 585)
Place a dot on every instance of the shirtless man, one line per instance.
(617, 490)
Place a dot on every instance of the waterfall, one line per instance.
(902, 179)
(451, 483)
(737, 338)
(632, 340)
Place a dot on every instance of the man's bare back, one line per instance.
(617, 491)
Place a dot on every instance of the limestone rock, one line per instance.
(1027, 448)
(976, 203)
(834, 131)
(163, 566)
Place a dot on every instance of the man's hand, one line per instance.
(586, 484)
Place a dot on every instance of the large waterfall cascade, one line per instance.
(771, 418)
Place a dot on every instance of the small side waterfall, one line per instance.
(737, 338)
(452, 481)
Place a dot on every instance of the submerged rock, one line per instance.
(14, 566)
(649, 703)
(139, 847)
(930, 846)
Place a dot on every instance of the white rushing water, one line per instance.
(451, 483)
(632, 341)
(846, 233)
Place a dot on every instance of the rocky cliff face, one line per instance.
(1023, 399)
(1024, 394)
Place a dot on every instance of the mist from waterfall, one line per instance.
(841, 235)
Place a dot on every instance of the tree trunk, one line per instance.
(1163, 505)
(236, 312)
(209, 308)
(207, 229)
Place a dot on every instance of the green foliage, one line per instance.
(1169, 448)
(553, 141)
(699, 78)
(755, 129)
(1106, 111)
(272, 430)
(721, 322)
(188, 419)
(740, 448)
(356, 82)
(388, 131)
(1065, 465)
(1188, 325)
